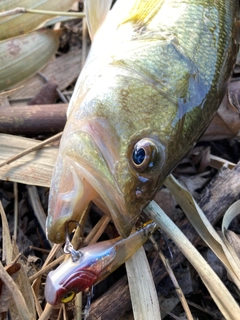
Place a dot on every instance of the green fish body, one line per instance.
(155, 76)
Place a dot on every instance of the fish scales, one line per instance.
(153, 80)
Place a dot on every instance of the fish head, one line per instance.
(112, 159)
(144, 97)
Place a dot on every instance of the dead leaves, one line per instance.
(18, 290)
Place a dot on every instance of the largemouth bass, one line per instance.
(156, 74)
(96, 262)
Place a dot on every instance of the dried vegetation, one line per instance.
(34, 110)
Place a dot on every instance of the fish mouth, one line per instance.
(83, 174)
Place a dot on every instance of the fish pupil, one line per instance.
(138, 156)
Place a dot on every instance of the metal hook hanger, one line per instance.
(68, 248)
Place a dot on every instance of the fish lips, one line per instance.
(77, 181)
(68, 193)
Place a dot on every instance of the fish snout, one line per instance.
(69, 197)
(86, 172)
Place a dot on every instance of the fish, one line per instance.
(95, 263)
(154, 78)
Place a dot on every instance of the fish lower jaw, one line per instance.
(83, 186)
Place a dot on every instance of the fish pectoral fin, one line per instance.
(96, 12)
(142, 11)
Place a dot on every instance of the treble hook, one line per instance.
(87, 306)
(68, 248)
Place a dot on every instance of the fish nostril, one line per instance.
(139, 194)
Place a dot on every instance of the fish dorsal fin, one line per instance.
(96, 12)
(143, 10)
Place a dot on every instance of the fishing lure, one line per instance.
(94, 263)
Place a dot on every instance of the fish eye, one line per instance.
(138, 156)
(68, 297)
(145, 154)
